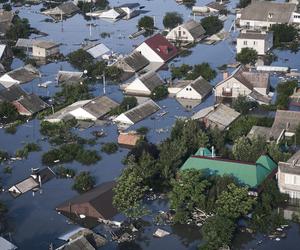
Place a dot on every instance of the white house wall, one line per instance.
(122, 118)
(236, 87)
(173, 35)
(148, 53)
(137, 86)
(256, 44)
(189, 93)
(81, 114)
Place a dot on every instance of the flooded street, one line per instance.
(33, 221)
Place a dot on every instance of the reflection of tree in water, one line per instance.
(187, 233)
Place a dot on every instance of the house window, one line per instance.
(291, 179)
(183, 32)
(245, 43)
(254, 43)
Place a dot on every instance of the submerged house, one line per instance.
(6, 245)
(219, 115)
(289, 176)
(41, 48)
(144, 85)
(92, 110)
(129, 139)
(251, 174)
(242, 82)
(260, 41)
(64, 10)
(19, 76)
(96, 203)
(189, 32)
(157, 49)
(197, 89)
(6, 21)
(131, 9)
(98, 51)
(137, 113)
(263, 14)
(69, 77)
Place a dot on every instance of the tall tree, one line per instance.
(172, 19)
(247, 56)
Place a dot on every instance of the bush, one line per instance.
(80, 59)
(3, 156)
(243, 105)
(283, 33)
(83, 182)
(211, 25)
(172, 19)
(8, 112)
(88, 157)
(19, 29)
(128, 102)
(159, 93)
(145, 130)
(63, 172)
(284, 91)
(29, 147)
(110, 148)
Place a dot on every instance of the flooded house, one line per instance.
(92, 110)
(42, 48)
(33, 182)
(6, 21)
(131, 9)
(289, 176)
(20, 75)
(131, 64)
(260, 41)
(64, 10)
(137, 113)
(96, 203)
(263, 14)
(98, 51)
(157, 49)
(219, 115)
(26, 104)
(197, 89)
(113, 14)
(215, 7)
(69, 77)
(252, 174)
(188, 32)
(79, 243)
(144, 85)
(295, 97)
(242, 82)
(129, 139)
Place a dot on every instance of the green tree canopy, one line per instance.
(159, 92)
(172, 19)
(211, 24)
(146, 22)
(83, 182)
(284, 91)
(8, 112)
(283, 33)
(247, 56)
(243, 105)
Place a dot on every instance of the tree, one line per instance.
(284, 91)
(243, 3)
(83, 182)
(181, 71)
(188, 192)
(211, 24)
(110, 147)
(217, 232)
(283, 33)
(245, 149)
(242, 105)
(8, 112)
(247, 56)
(234, 203)
(159, 93)
(7, 7)
(129, 193)
(128, 102)
(172, 19)
(276, 154)
(80, 59)
(147, 23)
(19, 29)
(203, 70)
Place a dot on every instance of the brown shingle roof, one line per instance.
(202, 86)
(195, 28)
(32, 103)
(151, 80)
(128, 139)
(100, 106)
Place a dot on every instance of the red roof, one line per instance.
(162, 47)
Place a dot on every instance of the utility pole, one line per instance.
(104, 83)
(61, 19)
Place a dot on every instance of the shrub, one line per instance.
(172, 19)
(110, 148)
(83, 182)
(211, 24)
(159, 93)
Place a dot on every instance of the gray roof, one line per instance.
(259, 131)
(260, 98)
(24, 43)
(32, 103)
(261, 11)
(216, 6)
(69, 77)
(151, 80)
(6, 18)
(12, 93)
(68, 8)
(219, 114)
(100, 106)
(44, 44)
(80, 243)
(292, 166)
(285, 120)
(136, 61)
(142, 111)
(202, 86)
(195, 28)
(24, 74)
(255, 35)
(6, 245)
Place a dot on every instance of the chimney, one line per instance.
(225, 75)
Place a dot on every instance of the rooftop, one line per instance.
(151, 80)
(202, 86)
(195, 28)
(97, 50)
(255, 35)
(69, 77)
(32, 103)
(136, 61)
(44, 44)
(292, 166)
(162, 47)
(12, 93)
(268, 11)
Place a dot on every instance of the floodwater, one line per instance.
(33, 222)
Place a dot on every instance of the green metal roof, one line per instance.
(203, 152)
(251, 174)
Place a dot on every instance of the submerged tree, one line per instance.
(172, 19)
(83, 182)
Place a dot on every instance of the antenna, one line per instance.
(61, 19)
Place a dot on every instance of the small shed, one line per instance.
(96, 203)
(129, 139)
